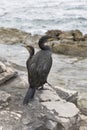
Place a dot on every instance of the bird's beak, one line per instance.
(27, 47)
(24, 46)
(50, 39)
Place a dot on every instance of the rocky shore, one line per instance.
(72, 42)
(55, 108)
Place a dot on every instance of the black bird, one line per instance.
(38, 66)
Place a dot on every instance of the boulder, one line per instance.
(66, 94)
(66, 114)
(69, 49)
(4, 98)
(2, 67)
(66, 35)
(54, 32)
(85, 37)
(12, 35)
(6, 73)
(77, 35)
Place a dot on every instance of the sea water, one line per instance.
(38, 16)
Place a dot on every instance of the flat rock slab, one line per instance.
(6, 73)
(49, 95)
(68, 95)
(66, 113)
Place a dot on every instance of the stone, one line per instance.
(9, 119)
(68, 95)
(82, 105)
(2, 67)
(12, 35)
(66, 35)
(4, 97)
(78, 35)
(83, 128)
(7, 73)
(48, 95)
(51, 125)
(85, 37)
(66, 113)
(70, 49)
(54, 32)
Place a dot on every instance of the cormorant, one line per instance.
(38, 66)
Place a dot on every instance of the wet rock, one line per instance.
(6, 73)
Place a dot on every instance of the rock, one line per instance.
(2, 67)
(83, 128)
(69, 49)
(66, 113)
(82, 104)
(51, 125)
(12, 35)
(69, 42)
(77, 34)
(66, 94)
(54, 32)
(7, 73)
(85, 37)
(66, 35)
(8, 119)
(4, 97)
(83, 120)
(48, 95)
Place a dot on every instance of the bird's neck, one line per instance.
(43, 47)
(31, 53)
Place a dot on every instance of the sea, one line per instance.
(38, 16)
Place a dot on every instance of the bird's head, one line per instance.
(45, 39)
(30, 49)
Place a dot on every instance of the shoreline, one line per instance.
(73, 42)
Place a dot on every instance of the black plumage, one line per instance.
(38, 66)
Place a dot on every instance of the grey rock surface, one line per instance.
(47, 111)
(6, 73)
(4, 97)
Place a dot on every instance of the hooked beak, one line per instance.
(51, 39)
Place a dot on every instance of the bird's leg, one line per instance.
(41, 88)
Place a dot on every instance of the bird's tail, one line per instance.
(29, 95)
